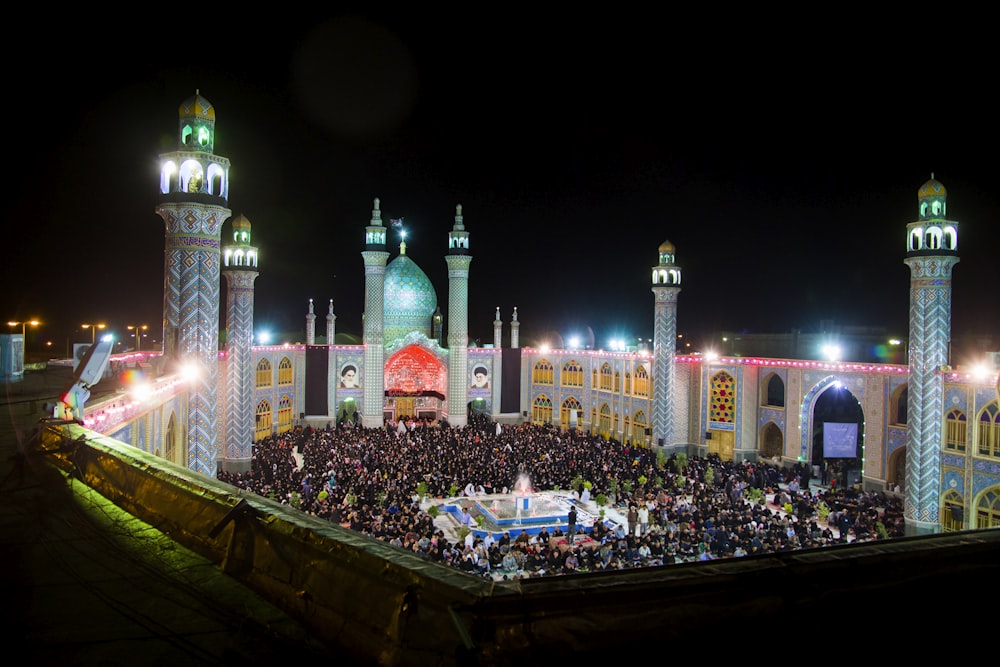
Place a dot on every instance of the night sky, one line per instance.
(783, 165)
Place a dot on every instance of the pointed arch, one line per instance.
(952, 511)
(262, 419)
(541, 410)
(772, 441)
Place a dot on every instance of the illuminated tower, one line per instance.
(931, 253)
(239, 262)
(497, 330)
(331, 324)
(514, 326)
(375, 257)
(311, 325)
(458, 260)
(194, 192)
(666, 287)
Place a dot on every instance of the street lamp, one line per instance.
(93, 330)
(906, 348)
(137, 330)
(33, 323)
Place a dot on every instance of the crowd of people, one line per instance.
(676, 510)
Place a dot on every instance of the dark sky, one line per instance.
(783, 164)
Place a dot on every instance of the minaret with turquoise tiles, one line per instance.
(458, 260)
(193, 199)
(666, 287)
(239, 261)
(375, 257)
(931, 254)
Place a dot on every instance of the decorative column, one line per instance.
(666, 287)
(311, 325)
(458, 260)
(375, 257)
(239, 416)
(193, 193)
(497, 330)
(514, 326)
(331, 325)
(931, 254)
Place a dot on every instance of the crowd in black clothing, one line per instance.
(367, 479)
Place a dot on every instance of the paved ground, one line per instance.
(85, 584)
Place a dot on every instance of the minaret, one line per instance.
(931, 253)
(239, 263)
(666, 287)
(311, 325)
(514, 326)
(375, 257)
(331, 325)
(497, 330)
(194, 192)
(458, 260)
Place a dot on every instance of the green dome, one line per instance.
(410, 300)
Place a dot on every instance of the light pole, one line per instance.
(906, 348)
(33, 323)
(93, 330)
(137, 330)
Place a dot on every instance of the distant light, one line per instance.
(980, 372)
(574, 342)
(264, 337)
(544, 348)
(831, 352)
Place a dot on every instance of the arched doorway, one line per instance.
(772, 442)
(837, 435)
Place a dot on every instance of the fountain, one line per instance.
(522, 509)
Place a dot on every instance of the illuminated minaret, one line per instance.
(331, 324)
(931, 253)
(311, 325)
(497, 330)
(458, 261)
(239, 262)
(194, 193)
(375, 257)
(666, 287)
(514, 326)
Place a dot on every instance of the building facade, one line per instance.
(923, 429)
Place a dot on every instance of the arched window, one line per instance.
(641, 385)
(955, 431)
(988, 510)
(263, 374)
(774, 391)
(988, 431)
(897, 405)
(572, 374)
(285, 373)
(723, 398)
(606, 377)
(542, 372)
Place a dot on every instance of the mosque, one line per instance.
(924, 430)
